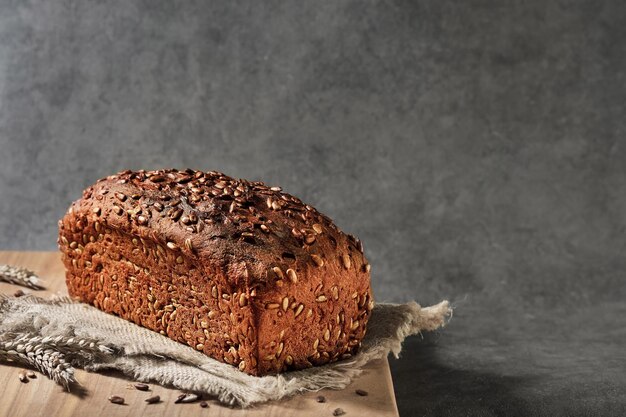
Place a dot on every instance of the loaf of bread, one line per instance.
(243, 272)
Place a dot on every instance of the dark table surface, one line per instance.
(490, 362)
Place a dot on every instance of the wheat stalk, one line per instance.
(51, 355)
(20, 276)
(46, 360)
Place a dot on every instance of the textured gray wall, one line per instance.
(477, 147)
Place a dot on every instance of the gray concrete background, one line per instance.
(477, 148)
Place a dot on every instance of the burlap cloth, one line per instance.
(55, 335)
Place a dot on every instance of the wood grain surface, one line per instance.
(42, 397)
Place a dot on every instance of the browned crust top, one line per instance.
(255, 232)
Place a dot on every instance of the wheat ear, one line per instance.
(51, 354)
(45, 359)
(20, 276)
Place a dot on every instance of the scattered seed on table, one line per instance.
(18, 293)
(31, 374)
(204, 404)
(116, 399)
(321, 399)
(153, 400)
(338, 412)
(22, 377)
(361, 392)
(142, 387)
(186, 398)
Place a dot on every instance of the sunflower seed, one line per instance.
(175, 214)
(157, 178)
(317, 260)
(346, 261)
(116, 399)
(362, 300)
(278, 272)
(153, 400)
(292, 275)
(186, 398)
(299, 310)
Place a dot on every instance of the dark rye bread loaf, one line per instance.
(245, 273)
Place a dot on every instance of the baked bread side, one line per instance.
(243, 272)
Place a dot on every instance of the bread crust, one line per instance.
(243, 272)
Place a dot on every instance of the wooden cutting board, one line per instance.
(42, 397)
